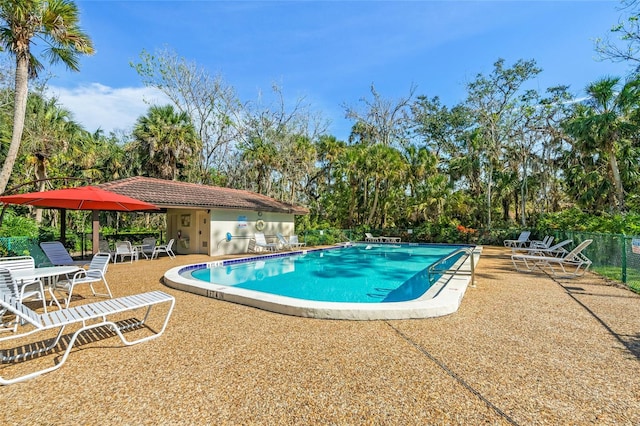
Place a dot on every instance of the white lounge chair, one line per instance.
(125, 249)
(282, 241)
(522, 240)
(58, 255)
(19, 291)
(544, 243)
(88, 316)
(572, 264)
(371, 239)
(164, 248)
(294, 243)
(262, 244)
(555, 250)
(95, 274)
(390, 239)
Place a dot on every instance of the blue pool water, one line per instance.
(361, 273)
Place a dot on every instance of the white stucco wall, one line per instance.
(241, 224)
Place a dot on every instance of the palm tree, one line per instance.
(167, 142)
(21, 21)
(607, 121)
(47, 132)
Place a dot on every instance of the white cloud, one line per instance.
(97, 106)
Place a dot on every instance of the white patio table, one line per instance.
(140, 249)
(49, 274)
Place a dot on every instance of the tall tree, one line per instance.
(21, 21)
(492, 99)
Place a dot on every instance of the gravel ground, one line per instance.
(522, 349)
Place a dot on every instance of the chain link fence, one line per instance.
(23, 246)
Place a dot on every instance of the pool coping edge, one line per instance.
(451, 290)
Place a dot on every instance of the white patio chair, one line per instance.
(95, 274)
(572, 264)
(104, 247)
(125, 249)
(58, 254)
(26, 288)
(19, 291)
(164, 248)
(88, 316)
(148, 245)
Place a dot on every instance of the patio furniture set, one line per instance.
(21, 280)
(149, 249)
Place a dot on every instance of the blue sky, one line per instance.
(331, 52)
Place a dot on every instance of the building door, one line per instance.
(203, 236)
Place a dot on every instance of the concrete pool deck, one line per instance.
(521, 349)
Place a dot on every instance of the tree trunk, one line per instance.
(615, 171)
(506, 204)
(19, 111)
(41, 175)
(374, 207)
(352, 204)
(523, 198)
(489, 185)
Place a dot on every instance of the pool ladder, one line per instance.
(469, 251)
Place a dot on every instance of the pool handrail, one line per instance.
(468, 251)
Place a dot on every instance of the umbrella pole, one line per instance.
(95, 231)
(63, 226)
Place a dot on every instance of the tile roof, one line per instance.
(167, 193)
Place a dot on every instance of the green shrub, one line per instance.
(47, 233)
(576, 220)
(18, 226)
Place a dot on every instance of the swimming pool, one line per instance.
(361, 281)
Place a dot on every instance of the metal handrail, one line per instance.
(468, 251)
